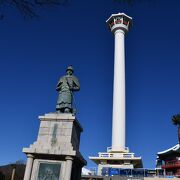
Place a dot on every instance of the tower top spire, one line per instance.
(119, 21)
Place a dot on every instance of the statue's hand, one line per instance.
(71, 88)
(76, 88)
(57, 88)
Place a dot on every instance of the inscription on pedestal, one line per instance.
(54, 139)
(49, 171)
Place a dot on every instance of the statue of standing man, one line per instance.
(65, 87)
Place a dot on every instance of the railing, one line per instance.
(117, 155)
(177, 174)
(109, 149)
(171, 165)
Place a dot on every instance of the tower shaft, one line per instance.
(118, 156)
(119, 25)
(118, 116)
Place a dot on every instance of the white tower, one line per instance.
(118, 156)
(119, 24)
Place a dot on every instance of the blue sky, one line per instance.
(35, 53)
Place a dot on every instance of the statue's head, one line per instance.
(70, 70)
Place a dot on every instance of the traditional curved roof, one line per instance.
(170, 153)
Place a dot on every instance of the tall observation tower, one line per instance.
(118, 155)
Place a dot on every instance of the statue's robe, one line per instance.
(66, 85)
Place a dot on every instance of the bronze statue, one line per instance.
(65, 86)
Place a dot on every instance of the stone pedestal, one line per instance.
(55, 155)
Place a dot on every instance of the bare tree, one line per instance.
(2, 176)
(176, 121)
(28, 7)
(13, 171)
(131, 2)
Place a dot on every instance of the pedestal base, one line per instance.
(120, 160)
(55, 154)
